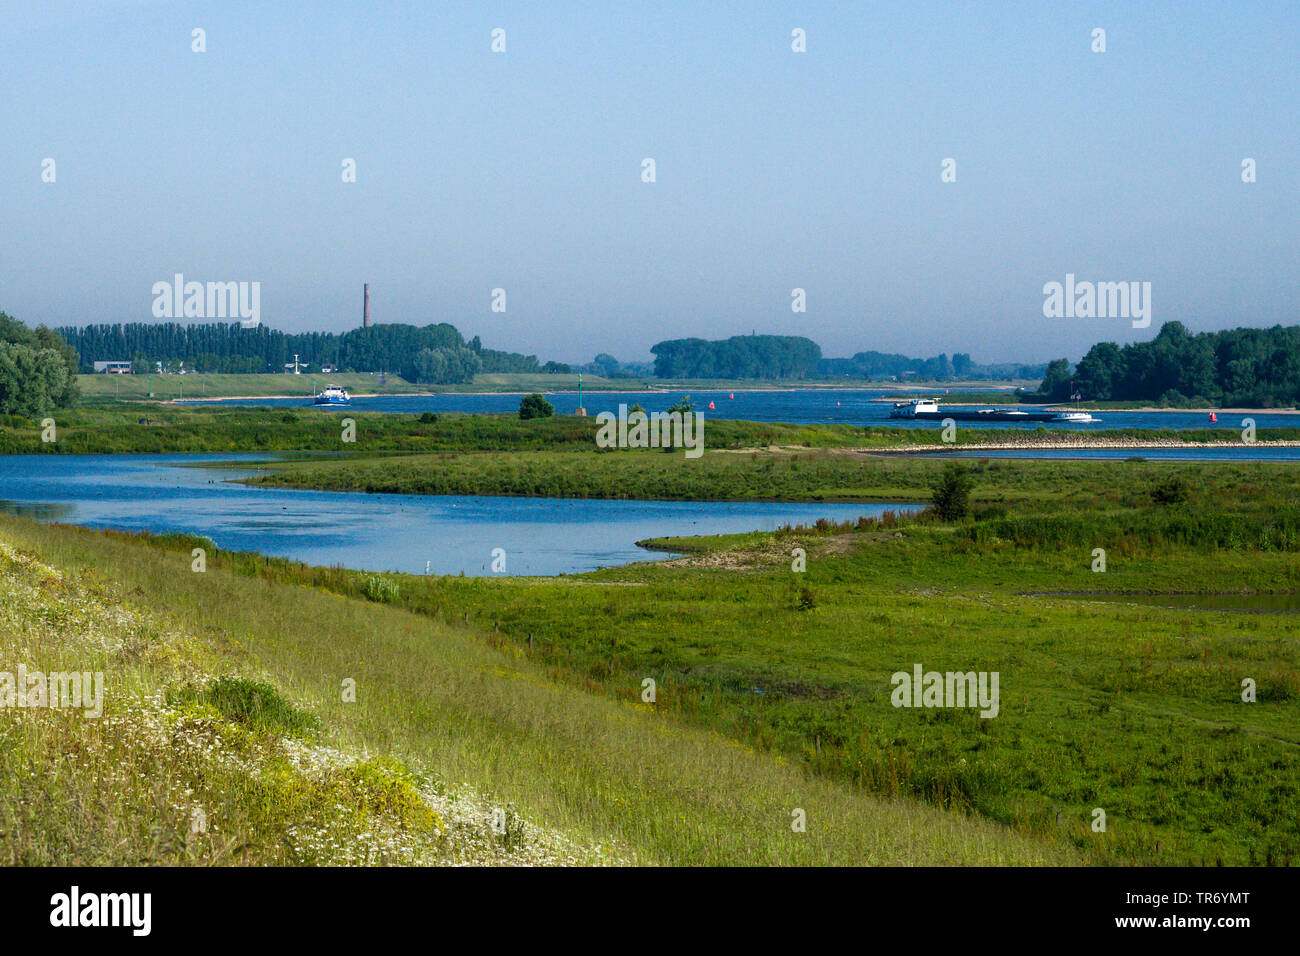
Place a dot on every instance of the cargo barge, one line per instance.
(927, 409)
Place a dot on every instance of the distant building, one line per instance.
(112, 368)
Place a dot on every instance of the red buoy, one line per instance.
(710, 405)
(731, 395)
(1213, 417)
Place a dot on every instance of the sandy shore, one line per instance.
(1147, 409)
(1074, 441)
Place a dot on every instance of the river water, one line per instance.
(448, 535)
(805, 406)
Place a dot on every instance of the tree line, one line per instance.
(1258, 368)
(741, 356)
(878, 366)
(435, 354)
(796, 357)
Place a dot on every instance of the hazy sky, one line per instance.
(775, 169)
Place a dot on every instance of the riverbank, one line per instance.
(823, 475)
(160, 428)
(216, 387)
(1057, 441)
(1136, 710)
(239, 743)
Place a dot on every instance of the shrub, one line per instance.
(1173, 490)
(428, 418)
(378, 589)
(535, 406)
(254, 704)
(807, 599)
(951, 493)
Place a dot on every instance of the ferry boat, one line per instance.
(333, 395)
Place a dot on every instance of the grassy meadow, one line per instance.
(119, 427)
(1133, 709)
(524, 695)
(98, 389)
(227, 738)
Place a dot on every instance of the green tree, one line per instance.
(950, 496)
(535, 406)
(38, 370)
(682, 407)
(1056, 381)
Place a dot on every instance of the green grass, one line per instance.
(439, 712)
(816, 475)
(773, 687)
(96, 389)
(109, 427)
(1133, 709)
(255, 704)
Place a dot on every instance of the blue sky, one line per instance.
(775, 169)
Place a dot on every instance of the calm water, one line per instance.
(836, 406)
(541, 536)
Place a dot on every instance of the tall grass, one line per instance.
(442, 701)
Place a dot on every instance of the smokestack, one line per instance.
(365, 311)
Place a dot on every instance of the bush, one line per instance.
(378, 589)
(535, 406)
(951, 493)
(428, 418)
(1173, 490)
(254, 704)
(807, 599)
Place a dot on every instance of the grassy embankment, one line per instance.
(215, 385)
(854, 469)
(99, 389)
(1133, 709)
(225, 737)
(1136, 710)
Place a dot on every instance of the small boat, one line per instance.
(1076, 417)
(333, 395)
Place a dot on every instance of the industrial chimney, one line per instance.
(365, 307)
